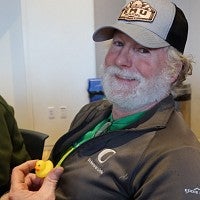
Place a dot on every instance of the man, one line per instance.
(134, 145)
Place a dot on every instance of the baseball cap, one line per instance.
(151, 23)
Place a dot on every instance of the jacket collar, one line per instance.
(155, 118)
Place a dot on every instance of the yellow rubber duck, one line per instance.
(42, 168)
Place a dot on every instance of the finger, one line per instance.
(51, 180)
(19, 173)
(33, 182)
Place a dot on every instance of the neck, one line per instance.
(118, 112)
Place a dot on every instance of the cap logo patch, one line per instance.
(137, 11)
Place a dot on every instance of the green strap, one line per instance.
(65, 156)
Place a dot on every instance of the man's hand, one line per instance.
(27, 186)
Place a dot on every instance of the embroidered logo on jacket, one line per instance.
(138, 10)
(103, 156)
(193, 191)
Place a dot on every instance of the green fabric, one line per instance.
(89, 134)
(114, 126)
(125, 121)
(12, 148)
(104, 126)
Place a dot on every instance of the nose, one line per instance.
(123, 58)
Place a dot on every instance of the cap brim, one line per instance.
(139, 34)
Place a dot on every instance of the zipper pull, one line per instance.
(103, 129)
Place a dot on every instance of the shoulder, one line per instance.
(98, 105)
(91, 110)
(6, 111)
(173, 148)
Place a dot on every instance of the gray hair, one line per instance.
(174, 59)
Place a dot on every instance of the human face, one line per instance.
(135, 77)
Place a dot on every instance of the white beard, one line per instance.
(127, 97)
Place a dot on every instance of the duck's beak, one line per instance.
(36, 168)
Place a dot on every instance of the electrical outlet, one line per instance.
(51, 112)
(63, 112)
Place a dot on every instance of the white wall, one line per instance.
(59, 56)
(12, 76)
(47, 55)
(191, 9)
(193, 47)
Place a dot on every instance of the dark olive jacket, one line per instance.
(12, 148)
(156, 158)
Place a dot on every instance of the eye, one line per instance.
(118, 43)
(143, 50)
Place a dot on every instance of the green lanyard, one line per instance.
(104, 126)
(89, 135)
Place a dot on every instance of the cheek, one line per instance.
(154, 65)
(109, 59)
(146, 69)
(150, 69)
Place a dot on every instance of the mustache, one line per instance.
(121, 72)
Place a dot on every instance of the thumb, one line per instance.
(49, 184)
